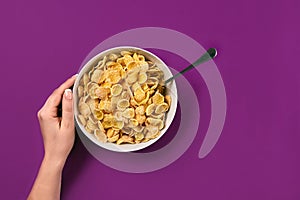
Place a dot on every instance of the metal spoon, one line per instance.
(209, 54)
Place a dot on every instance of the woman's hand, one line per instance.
(58, 132)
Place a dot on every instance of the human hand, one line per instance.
(58, 132)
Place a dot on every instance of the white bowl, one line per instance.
(171, 90)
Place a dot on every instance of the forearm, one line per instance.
(48, 182)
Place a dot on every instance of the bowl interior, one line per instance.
(170, 90)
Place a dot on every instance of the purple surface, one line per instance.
(257, 156)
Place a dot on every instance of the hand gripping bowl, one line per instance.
(171, 90)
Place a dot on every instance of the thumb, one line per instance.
(67, 110)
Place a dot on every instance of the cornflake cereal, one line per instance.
(119, 100)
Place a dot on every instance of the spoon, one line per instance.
(208, 55)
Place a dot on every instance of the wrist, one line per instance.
(53, 163)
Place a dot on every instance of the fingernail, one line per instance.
(68, 94)
(75, 75)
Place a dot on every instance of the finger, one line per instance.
(55, 98)
(67, 120)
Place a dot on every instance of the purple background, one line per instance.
(257, 156)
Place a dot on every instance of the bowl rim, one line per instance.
(130, 147)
